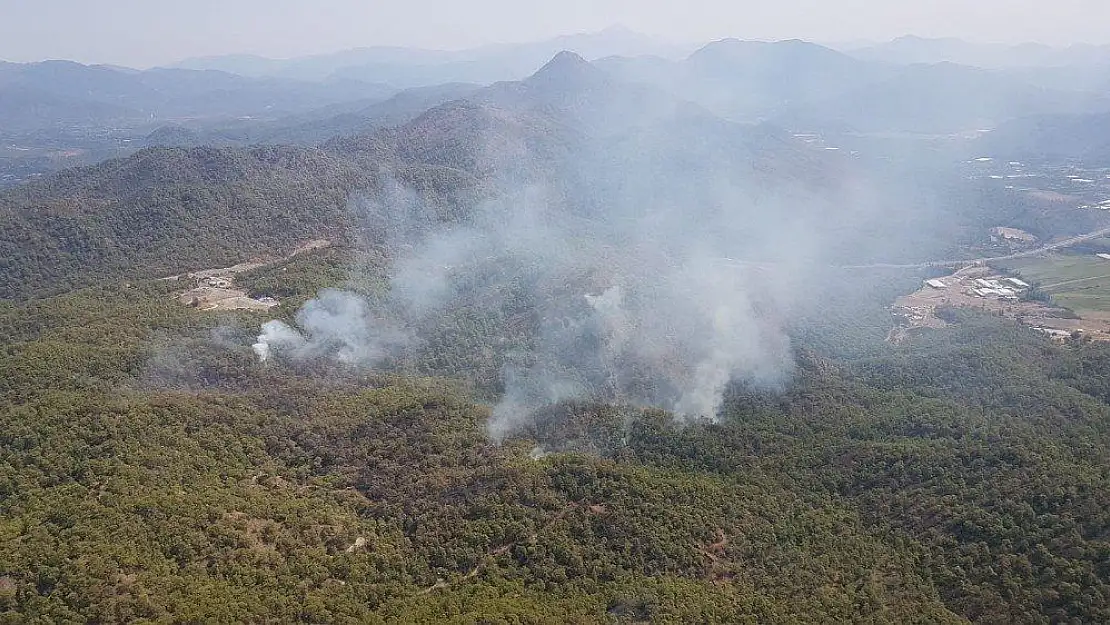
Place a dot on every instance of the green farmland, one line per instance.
(1081, 283)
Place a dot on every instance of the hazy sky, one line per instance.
(148, 32)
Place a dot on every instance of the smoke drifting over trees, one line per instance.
(645, 317)
(576, 350)
(654, 249)
(634, 299)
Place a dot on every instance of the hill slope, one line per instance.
(165, 210)
(809, 87)
(153, 468)
(749, 81)
(1084, 138)
(941, 98)
(138, 97)
(605, 150)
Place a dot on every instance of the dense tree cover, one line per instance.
(568, 130)
(152, 470)
(165, 210)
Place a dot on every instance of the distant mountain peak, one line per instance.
(733, 50)
(564, 60)
(919, 39)
(567, 68)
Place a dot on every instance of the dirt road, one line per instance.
(1059, 245)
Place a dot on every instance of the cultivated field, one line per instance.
(1080, 283)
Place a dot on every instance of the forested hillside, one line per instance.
(154, 471)
(597, 144)
(168, 210)
(579, 352)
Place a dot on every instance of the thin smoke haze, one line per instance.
(629, 310)
(613, 247)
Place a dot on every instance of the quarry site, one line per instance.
(215, 289)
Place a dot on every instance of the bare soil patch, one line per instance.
(215, 289)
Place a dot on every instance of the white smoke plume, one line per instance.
(335, 324)
(619, 265)
(645, 312)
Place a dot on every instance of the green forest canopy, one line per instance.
(153, 471)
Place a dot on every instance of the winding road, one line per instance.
(1059, 245)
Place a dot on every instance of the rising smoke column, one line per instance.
(336, 325)
(622, 252)
(663, 320)
(665, 336)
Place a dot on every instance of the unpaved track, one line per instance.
(492, 554)
(308, 246)
(1059, 245)
(1071, 282)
